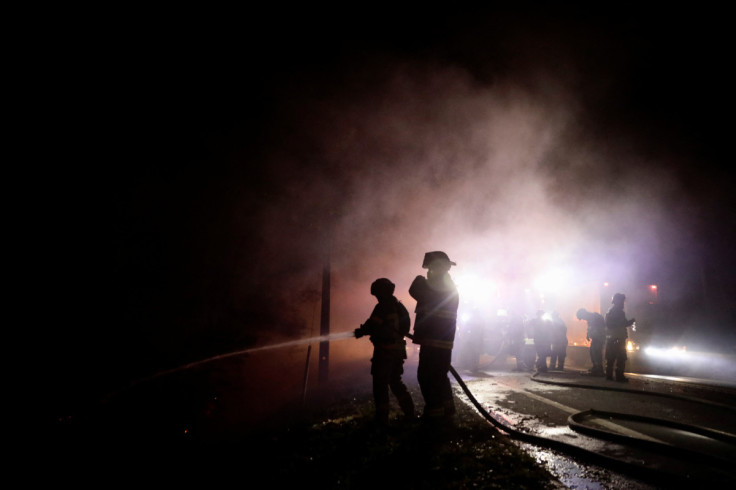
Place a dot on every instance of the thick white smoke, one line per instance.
(407, 157)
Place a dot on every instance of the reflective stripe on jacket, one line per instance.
(436, 311)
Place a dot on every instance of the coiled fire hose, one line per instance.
(633, 469)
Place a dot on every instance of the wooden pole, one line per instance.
(324, 330)
(306, 375)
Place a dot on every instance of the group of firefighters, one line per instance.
(550, 341)
(434, 331)
(548, 333)
(609, 333)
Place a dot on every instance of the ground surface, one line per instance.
(190, 429)
(255, 418)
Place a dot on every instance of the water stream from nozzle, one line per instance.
(290, 343)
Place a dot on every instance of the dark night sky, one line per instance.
(208, 155)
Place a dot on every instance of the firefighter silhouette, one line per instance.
(388, 324)
(541, 331)
(596, 334)
(616, 337)
(434, 330)
(559, 343)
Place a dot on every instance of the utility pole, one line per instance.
(324, 329)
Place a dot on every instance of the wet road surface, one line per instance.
(558, 405)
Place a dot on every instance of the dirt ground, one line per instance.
(252, 418)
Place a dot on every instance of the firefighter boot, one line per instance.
(609, 370)
(620, 376)
(542, 365)
(407, 406)
(450, 411)
(382, 415)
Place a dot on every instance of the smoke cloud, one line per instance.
(403, 157)
(523, 146)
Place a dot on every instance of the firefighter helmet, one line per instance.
(618, 298)
(382, 287)
(430, 257)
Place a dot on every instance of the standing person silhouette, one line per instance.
(515, 338)
(434, 331)
(559, 343)
(388, 324)
(541, 331)
(596, 334)
(616, 336)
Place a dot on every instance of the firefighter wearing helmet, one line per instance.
(616, 337)
(596, 334)
(434, 330)
(388, 324)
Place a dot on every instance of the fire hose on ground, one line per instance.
(633, 469)
(625, 467)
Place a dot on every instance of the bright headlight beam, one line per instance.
(666, 353)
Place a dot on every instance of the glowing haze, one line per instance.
(547, 150)
(401, 158)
